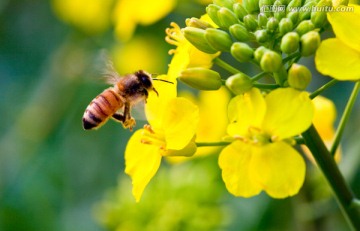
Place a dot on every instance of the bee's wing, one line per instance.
(109, 74)
(137, 112)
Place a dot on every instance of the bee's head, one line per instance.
(145, 80)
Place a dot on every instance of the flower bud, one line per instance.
(240, 11)
(304, 27)
(197, 23)
(212, 10)
(227, 17)
(242, 52)
(196, 37)
(318, 15)
(271, 61)
(250, 22)
(285, 26)
(264, 6)
(261, 36)
(239, 32)
(262, 20)
(272, 24)
(251, 5)
(305, 14)
(309, 43)
(201, 78)
(239, 83)
(259, 52)
(299, 77)
(293, 16)
(293, 5)
(290, 42)
(280, 10)
(218, 39)
(224, 3)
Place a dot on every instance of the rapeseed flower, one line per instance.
(340, 57)
(261, 156)
(129, 13)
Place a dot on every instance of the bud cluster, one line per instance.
(261, 32)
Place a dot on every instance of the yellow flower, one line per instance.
(261, 158)
(324, 124)
(185, 54)
(173, 122)
(129, 13)
(340, 57)
(92, 16)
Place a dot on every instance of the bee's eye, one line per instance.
(145, 80)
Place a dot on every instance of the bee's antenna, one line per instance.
(163, 80)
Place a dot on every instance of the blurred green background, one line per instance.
(56, 176)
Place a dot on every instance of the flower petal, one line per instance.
(245, 111)
(278, 168)
(346, 26)
(234, 161)
(141, 162)
(180, 122)
(157, 104)
(289, 112)
(338, 60)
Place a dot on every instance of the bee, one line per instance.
(127, 91)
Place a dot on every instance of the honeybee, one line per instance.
(127, 91)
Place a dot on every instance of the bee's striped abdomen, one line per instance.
(101, 109)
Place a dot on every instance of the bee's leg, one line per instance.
(119, 117)
(129, 122)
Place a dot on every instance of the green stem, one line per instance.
(226, 66)
(326, 163)
(290, 57)
(323, 88)
(210, 144)
(345, 117)
(259, 76)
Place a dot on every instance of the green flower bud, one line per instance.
(293, 16)
(264, 6)
(299, 77)
(242, 52)
(261, 36)
(318, 18)
(309, 43)
(224, 3)
(305, 14)
(304, 27)
(272, 24)
(197, 38)
(197, 23)
(201, 78)
(285, 26)
(262, 20)
(251, 5)
(212, 10)
(239, 32)
(259, 52)
(239, 83)
(240, 11)
(271, 61)
(280, 10)
(227, 17)
(290, 43)
(250, 22)
(218, 39)
(293, 5)
(318, 14)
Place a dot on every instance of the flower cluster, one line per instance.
(266, 116)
